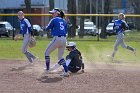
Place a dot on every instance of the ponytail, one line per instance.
(62, 15)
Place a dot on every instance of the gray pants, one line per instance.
(57, 42)
(26, 40)
(120, 41)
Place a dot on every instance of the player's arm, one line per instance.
(83, 65)
(50, 25)
(114, 26)
(124, 26)
(68, 62)
(29, 25)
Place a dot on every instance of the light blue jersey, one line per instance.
(58, 27)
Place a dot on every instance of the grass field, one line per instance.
(92, 50)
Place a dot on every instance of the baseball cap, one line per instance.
(71, 44)
(123, 15)
(55, 10)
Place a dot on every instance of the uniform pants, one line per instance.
(57, 42)
(26, 40)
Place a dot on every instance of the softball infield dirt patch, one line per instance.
(15, 77)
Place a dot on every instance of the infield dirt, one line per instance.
(98, 78)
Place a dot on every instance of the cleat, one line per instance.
(35, 60)
(47, 71)
(110, 57)
(65, 74)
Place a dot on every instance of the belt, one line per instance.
(62, 36)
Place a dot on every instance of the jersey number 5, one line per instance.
(61, 26)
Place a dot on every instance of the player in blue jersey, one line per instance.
(120, 26)
(58, 28)
(25, 30)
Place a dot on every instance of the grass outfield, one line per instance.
(92, 50)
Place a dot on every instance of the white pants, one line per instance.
(57, 42)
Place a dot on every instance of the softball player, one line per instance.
(73, 59)
(120, 26)
(25, 30)
(58, 28)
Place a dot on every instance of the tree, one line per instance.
(136, 6)
(106, 10)
(28, 9)
(28, 5)
(51, 6)
(72, 19)
(82, 11)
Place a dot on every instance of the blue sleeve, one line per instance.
(50, 25)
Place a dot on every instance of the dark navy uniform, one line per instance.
(76, 63)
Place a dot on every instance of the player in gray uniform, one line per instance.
(25, 30)
(120, 26)
(58, 28)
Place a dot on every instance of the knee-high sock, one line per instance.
(130, 48)
(28, 56)
(65, 67)
(47, 58)
(63, 62)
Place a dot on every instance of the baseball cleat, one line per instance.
(35, 59)
(65, 74)
(110, 57)
(47, 71)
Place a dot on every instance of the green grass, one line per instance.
(92, 50)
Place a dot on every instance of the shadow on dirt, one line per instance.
(21, 67)
(46, 79)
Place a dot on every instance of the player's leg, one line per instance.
(26, 40)
(51, 47)
(126, 46)
(74, 69)
(61, 48)
(117, 43)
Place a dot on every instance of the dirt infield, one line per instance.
(98, 78)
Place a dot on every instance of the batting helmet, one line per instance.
(71, 45)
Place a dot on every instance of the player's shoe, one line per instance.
(65, 74)
(36, 59)
(110, 57)
(47, 71)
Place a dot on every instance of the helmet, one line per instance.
(71, 44)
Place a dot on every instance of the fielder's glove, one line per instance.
(32, 42)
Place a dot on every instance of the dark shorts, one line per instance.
(73, 69)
